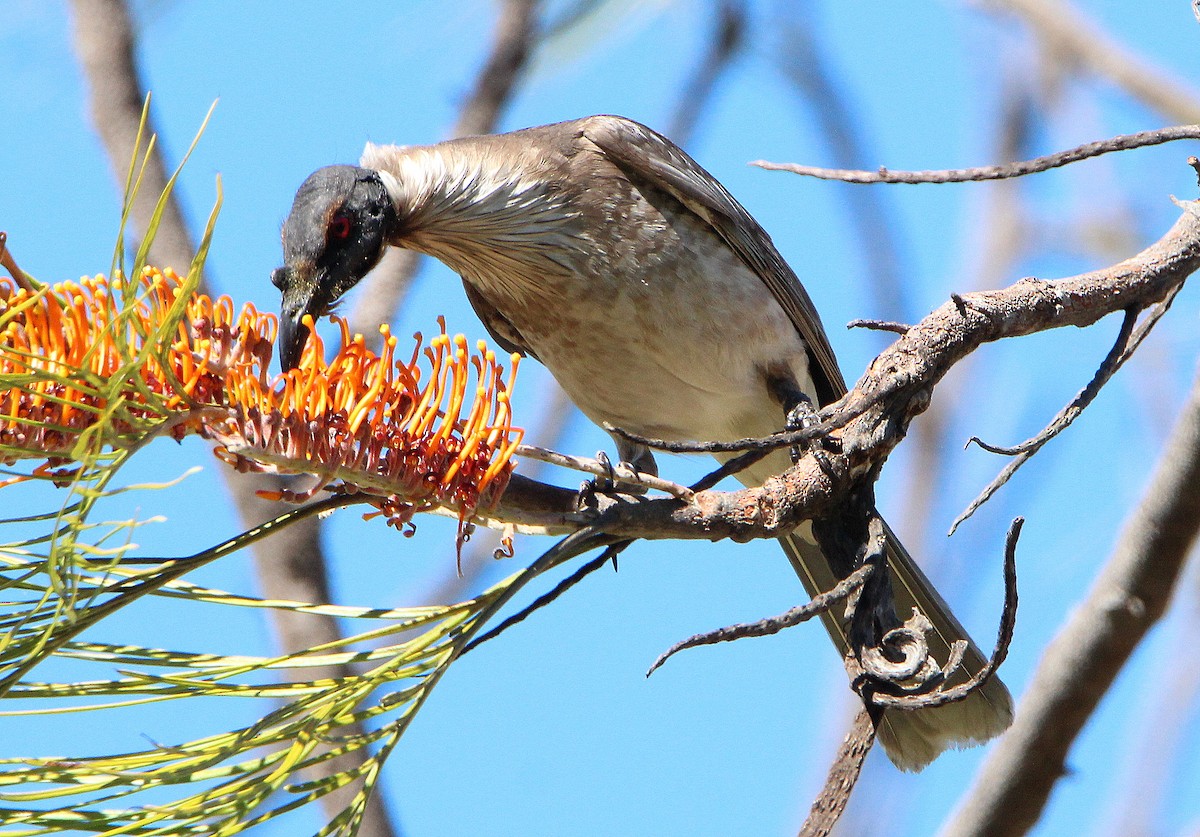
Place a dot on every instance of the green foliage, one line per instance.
(60, 584)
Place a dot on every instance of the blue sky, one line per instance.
(553, 729)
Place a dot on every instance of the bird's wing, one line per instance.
(650, 159)
(497, 325)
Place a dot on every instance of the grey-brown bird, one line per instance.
(659, 304)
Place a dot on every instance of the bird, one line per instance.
(604, 251)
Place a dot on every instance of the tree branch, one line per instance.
(868, 423)
(843, 775)
(728, 37)
(1004, 171)
(1077, 669)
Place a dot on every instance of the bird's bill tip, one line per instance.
(293, 334)
(300, 300)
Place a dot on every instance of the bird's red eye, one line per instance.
(339, 227)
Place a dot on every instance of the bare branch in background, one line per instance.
(104, 44)
(516, 35)
(1077, 39)
(1157, 752)
(1080, 665)
(728, 36)
(1004, 225)
(876, 227)
(291, 566)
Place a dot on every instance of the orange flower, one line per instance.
(71, 353)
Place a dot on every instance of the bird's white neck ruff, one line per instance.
(481, 212)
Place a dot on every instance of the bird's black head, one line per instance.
(337, 230)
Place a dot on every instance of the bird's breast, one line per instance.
(655, 326)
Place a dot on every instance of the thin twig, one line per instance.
(819, 604)
(759, 444)
(609, 554)
(1127, 342)
(880, 325)
(10, 264)
(1008, 621)
(1003, 171)
(1081, 400)
(621, 473)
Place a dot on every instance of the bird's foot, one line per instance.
(801, 416)
(608, 483)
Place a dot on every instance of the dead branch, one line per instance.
(1004, 171)
(871, 419)
(1008, 623)
(1128, 597)
(1069, 33)
(1127, 342)
(843, 775)
(820, 603)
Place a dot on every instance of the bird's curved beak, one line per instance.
(301, 286)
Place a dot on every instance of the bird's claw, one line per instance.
(606, 484)
(586, 497)
(801, 416)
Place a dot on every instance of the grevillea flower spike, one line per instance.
(435, 429)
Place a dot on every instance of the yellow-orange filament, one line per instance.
(375, 423)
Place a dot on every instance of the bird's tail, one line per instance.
(914, 738)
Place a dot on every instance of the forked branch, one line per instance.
(867, 424)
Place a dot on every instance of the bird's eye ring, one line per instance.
(339, 227)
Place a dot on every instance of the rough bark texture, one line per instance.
(872, 418)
